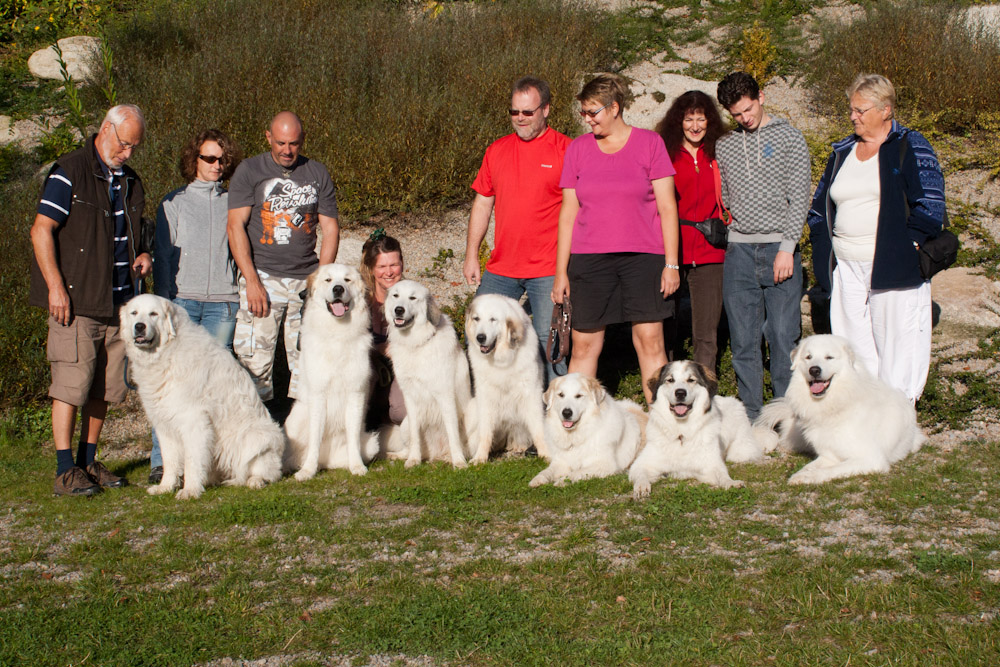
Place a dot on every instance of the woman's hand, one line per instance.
(670, 281)
(560, 288)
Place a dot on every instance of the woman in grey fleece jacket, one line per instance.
(191, 260)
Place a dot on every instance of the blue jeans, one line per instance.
(755, 305)
(220, 320)
(539, 292)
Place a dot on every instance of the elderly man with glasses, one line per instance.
(519, 181)
(90, 255)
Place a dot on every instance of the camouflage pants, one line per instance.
(257, 337)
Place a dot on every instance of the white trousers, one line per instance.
(890, 330)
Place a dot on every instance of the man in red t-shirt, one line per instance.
(519, 179)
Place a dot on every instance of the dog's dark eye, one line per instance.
(578, 396)
(808, 357)
(329, 280)
(347, 280)
(475, 318)
(413, 298)
(154, 314)
(561, 395)
(829, 357)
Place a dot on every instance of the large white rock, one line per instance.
(6, 130)
(966, 297)
(79, 53)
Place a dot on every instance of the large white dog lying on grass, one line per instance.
(211, 424)
(590, 434)
(852, 422)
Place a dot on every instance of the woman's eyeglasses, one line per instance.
(593, 114)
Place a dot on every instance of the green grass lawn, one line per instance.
(473, 567)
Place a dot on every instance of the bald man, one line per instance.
(276, 200)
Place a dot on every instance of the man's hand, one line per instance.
(143, 265)
(59, 307)
(784, 266)
(257, 300)
(471, 269)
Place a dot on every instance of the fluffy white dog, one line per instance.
(433, 374)
(590, 434)
(852, 422)
(507, 374)
(692, 432)
(211, 424)
(326, 425)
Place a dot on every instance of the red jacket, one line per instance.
(696, 202)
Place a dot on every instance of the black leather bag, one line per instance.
(714, 230)
(938, 253)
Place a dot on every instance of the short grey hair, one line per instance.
(875, 88)
(122, 112)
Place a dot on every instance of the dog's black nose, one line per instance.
(139, 328)
(680, 394)
(338, 290)
(481, 339)
(815, 371)
(400, 311)
(567, 413)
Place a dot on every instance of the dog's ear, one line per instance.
(548, 395)
(469, 314)
(170, 317)
(310, 281)
(853, 359)
(433, 311)
(655, 382)
(707, 377)
(597, 392)
(515, 331)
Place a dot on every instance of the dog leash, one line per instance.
(558, 345)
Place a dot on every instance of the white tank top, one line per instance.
(856, 192)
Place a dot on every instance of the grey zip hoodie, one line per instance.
(765, 183)
(191, 258)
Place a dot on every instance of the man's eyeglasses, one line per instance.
(123, 145)
(524, 112)
(211, 159)
(593, 114)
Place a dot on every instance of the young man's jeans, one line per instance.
(539, 292)
(755, 306)
(220, 320)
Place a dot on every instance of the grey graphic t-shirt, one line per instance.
(286, 205)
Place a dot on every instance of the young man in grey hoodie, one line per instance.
(765, 172)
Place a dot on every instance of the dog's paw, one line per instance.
(191, 493)
(410, 463)
(159, 489)
(538, 480)
(479, 459)
(304, 474)
(641, 490)
(256, 483)
(803, 477)
(459, 463)
(735, 484)
(358, 470)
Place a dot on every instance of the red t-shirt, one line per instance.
(524, 178)
(696, 202)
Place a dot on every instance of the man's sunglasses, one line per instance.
(523, 112)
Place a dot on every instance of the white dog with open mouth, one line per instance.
(507, 373)
(326, 425)
(854, 423)
(692, 432)
(590, 434)
(211, 424)
(433, 374)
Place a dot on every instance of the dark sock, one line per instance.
(85, 453)
(64, 460)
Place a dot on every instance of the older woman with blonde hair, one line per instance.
(880, 198)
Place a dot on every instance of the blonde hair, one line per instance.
(875, 88)
(605, 89)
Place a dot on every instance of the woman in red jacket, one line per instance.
(690, 129)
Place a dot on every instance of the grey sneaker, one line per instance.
(75, 482)
(104, 477)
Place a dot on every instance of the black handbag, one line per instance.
(714, 230)
(940, 252)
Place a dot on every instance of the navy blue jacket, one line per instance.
(918, 178)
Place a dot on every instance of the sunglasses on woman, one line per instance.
(210, 159)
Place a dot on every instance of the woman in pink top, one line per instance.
(617, 257)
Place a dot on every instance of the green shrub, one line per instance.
(399, 104)
(944, 71)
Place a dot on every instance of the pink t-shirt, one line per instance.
(617, 207)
